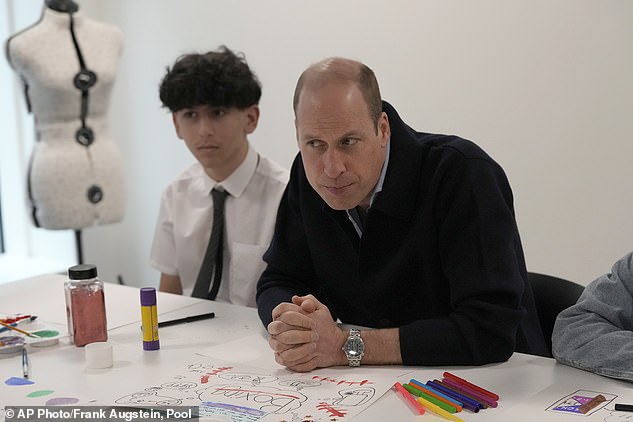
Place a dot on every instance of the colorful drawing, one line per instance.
(582, 403)
(242, 394)
(267, 399)
(233, 413)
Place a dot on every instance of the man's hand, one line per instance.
(304, 336)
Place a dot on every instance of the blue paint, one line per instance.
(18, 381)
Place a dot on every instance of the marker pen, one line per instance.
(469, 392)
(149, 318)
(478, 389)
(621, 407)
(467, 403)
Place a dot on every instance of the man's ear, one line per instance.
(252, 116)
(176, 125)
(384, 129)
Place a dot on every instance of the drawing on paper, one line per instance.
(582, 402)
(248, 395)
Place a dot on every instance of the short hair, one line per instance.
(343, 70)
(218, 78)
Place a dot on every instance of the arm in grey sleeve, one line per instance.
(596, 334)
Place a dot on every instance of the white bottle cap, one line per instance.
(99, 355)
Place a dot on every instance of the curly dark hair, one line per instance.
(218, 78)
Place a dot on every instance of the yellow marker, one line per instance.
(438, 410)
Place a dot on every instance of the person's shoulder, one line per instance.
(272, 170)
(455, 156)
(623, 269)
(454, 143)
(613, 287)
(436, 142)
(189, 178)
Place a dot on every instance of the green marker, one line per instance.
(427, 397)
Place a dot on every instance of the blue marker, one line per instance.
(468, 403)
(451, 399)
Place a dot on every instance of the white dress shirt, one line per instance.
(185, 219)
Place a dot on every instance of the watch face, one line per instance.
(354, 347)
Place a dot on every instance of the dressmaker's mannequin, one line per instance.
(75, 174)
(67, 6)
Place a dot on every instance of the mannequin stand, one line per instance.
(80, 253)
(1, 231)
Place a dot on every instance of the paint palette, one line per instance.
(12, 342)
(46, 337)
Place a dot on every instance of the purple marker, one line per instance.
(467, 403)
(149, 318)
(431, 389)
(470, 392)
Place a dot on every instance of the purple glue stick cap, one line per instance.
(148, 296)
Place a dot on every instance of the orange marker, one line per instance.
(415, 384)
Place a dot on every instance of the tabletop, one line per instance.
(226, 361)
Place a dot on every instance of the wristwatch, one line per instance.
(354, 347)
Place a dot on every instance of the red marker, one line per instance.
(485, 400)
(409, 398)
(477, 388)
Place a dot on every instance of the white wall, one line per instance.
(545, 87)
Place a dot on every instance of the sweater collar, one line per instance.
(401, 179)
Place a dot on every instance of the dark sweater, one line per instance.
(440, 256)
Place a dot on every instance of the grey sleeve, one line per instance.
(596, 334)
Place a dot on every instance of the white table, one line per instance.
(526, 384)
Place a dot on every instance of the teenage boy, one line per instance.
(213, 99)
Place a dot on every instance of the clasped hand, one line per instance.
(304, 336)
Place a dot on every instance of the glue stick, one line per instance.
(149, 317)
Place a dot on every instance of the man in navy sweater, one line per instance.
(409, 235)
